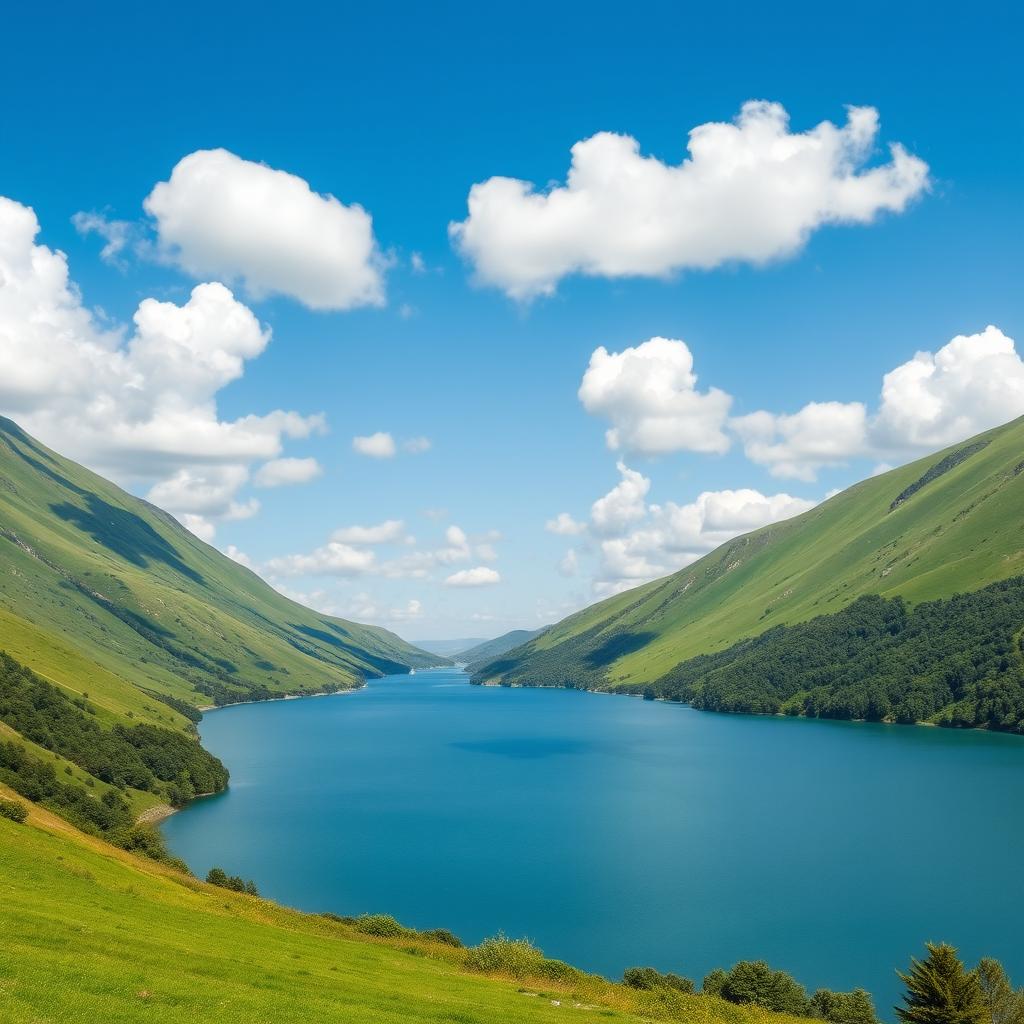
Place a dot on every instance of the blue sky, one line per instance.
(402, 110)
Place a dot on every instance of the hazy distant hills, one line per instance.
(478, 655)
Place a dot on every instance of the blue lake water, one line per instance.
(615, 832)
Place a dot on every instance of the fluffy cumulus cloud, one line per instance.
(672, 536)
(481, 576)
(564, 525)
(219, 215)
(649, 394)
(623, 505)
(751, 190)
(138, 403)
(285, 472)
(972, 383)
(376, 446)
(797, 446)
(636, 541)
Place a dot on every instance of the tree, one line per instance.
(217, 876)
(843, 1007)
(941, 991)
(714, 982)
(1005, 1006)
(753, 981)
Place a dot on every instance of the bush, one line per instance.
(843, 1007)
(383, 926)
(219, 877)
(714, 982)
(753, 981)
(519, 958)
(13, 810)
(649, 979)
(443, 936)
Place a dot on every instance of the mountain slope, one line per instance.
(951, 522)
(103, 592)
(478, 656)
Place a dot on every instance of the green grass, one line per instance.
(102, 592)
(959, 532)
(92, 934)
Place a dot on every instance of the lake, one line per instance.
(617, 832)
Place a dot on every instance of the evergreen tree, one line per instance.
(941, 991)
(1005, 1006)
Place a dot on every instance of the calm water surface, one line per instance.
(615, 832)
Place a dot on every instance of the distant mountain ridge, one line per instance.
(478, 656)
(949, 523)
(446, 648)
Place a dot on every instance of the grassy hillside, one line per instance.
(479, 655)
(94, 934)
(102, 592)
(951, 522)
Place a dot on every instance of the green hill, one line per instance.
(103, 592)
(92, 933)
(478, 656)
(946, 524)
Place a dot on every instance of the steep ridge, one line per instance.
(949, 523)
(102, 592)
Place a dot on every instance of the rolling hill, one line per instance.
(479, 655)
(102, 592)
(946, 524)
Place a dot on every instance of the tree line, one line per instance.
(956, 662)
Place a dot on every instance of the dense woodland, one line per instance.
(168, 764)
(957, 662)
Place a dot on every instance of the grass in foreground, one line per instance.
(91, 933)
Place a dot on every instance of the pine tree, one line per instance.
(941, 991)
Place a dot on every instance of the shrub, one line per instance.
(383, 926)
(649, 979)
(714, 982)
(13, 810)
(753, 981)
(843, 1007)
(442, 935)
(519, 958)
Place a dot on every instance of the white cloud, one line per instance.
(140, 403)
(239, 556)
(417, 445)
(333, 559)
(205, 490)
(377, 446)
(481, 576)
(224, 216)
(672, 536)
(388, 532)
(116, 234)
(623, 504)
(199, 525)
(417, 262)
(750, 191)
(799, 445)
(285, 472)
(649, 394)
(971, 384)
(564, 525)
(974, 382)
